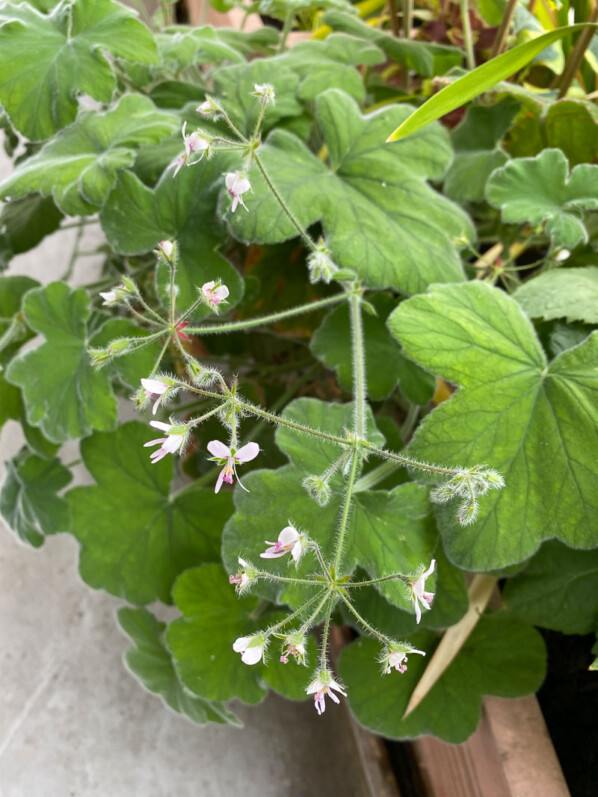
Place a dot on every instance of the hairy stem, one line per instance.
(272, 318)
(364, 623)
(285, 208)
(340, 540)
(359, 376)
(467, 37)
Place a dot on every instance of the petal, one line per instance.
(430, 570)
(219, 480)
(418, 611)
(271, 553)
(333, 697)
(222, 292)
(288, 536)
(247, 452)
(230, 179)
(158, 440)
(156, 405)
(252, 655)
(173, 443)
(154, 386)
(218, 449)
(165, 427)
(240, 644)
(158, 455)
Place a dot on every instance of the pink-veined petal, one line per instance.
(288, 536)
(218, 449)
(247, 453)
(154, 386)
(157, 441)
(165, 427)
(219, 480)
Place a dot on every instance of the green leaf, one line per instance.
(25, 222)
(331, 343)
(151, 663)
(280, 9)
(63, 394)
(29, 500)
(503, 657)
(538, 190)
(79, 166)
(570, 293)
(570, 126)
(425, 58)
(132, 367)
(235, 86)
(478, 81)
(181, 47)
(47, 60)
(135, 218)
(557, 590)
(534, 422)
(201, 641)
(136, 537)
(477, 149)
(329, 64)
(379, 215)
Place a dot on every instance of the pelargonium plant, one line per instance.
(371, 363)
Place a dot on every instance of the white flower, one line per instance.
(214, 293)
(206, 108)
(153, 388)
(322, 685)
(236, 185)
(289, 541)
(395, 656)
(418, 595)
(244, 577)
(173, 442)
(109, 298)
(265, 92)
(194, 143)
(230, 458)
(251, 648)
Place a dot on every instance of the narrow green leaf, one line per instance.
(478, 81)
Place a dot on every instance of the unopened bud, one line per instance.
(318, 488)
(99, 357)
(468, 512)
(264, 92)
(166, 252)
(320, 265)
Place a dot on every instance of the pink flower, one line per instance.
(418, 595)
(206, 108)
(109, 298)
(194, 143)
(289, 541)
(230, 458)
(395, 656)
(237, 184)
(153, 388)
(244, 577)
(251, 648)
(173, 442)
(322, 685)
(214, 293)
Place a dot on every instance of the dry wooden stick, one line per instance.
(479, 593)
(499, 41)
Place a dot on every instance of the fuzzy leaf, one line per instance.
(535, 422)
(47, 60)
(63, 394)
(380, 217)
(150, 661)
(503, 657)
(477, 149)
(538, 190)
(79, 166)
(331, 343)
(136, 537)
(570, 293)
(557, 590)
(135, 218)
(29, 501)
(25, 222)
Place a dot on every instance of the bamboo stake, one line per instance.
(479, 593)
(499, 41)
(576, 55)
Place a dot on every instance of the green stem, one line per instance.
(409, 422)
(325, 633)
(374, 477)
(285, 208)
(316, 549)
(364, 623)
(74, 254)
(287, 27)
(359, 375)
(258, 124)
(202, 418)
(340, 540)
(298, 611)
(407, 17)
(309, 622)
(372, 581)
(413, 463)
(230, 123)
(160, 356)
(272, 318)
(287, 579)
(467, 37)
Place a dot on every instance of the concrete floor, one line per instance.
(74, 722)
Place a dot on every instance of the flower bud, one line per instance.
(318, 488)
(320, 265)
(264, 92)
